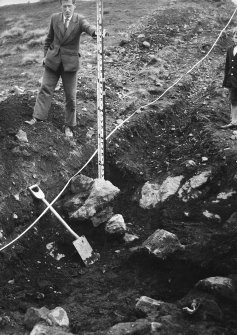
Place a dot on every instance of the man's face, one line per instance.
(235, 37)
(67, 7)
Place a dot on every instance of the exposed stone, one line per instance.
(34, 315)
(155, 327)
(129, 238)
(21, 136)
(81, 183)
(146, 44)
(74, 203)
(17, 90)
(139, 327)
(190, 190)
(102, 193)
(41, 329)
(190, 163)
(154, 193)
(116, 225)
(162, 244)
(212, 216)
(148, 305)
(59, 317)
(102, 216)
(219, 286)
(141, 36)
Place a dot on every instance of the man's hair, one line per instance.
(73, 2)
(234, 30)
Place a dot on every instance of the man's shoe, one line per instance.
(32, 121)
(68, 132)
(229, 126)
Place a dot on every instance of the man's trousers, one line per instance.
(233, 100)
(44, 98)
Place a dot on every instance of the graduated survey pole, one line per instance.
(100, 91)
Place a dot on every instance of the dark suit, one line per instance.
(61, 52)
(230, 77)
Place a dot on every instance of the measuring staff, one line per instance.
(100, 91)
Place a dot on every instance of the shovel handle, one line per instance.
(39, 194)
(60, 218)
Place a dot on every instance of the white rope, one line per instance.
(116, 128)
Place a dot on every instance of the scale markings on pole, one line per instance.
(100, 90)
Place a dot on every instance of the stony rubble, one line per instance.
(48, 322)
(101, 194)
(191, 189)
(220, 286)
(154, 193)
(35, 315)
(162, 244)
(41, 329)
(139, 327)
(148, 305)
(116, 225)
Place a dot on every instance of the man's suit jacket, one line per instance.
(63, 47)
(230, 77)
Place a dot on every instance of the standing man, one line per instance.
(61, 58)
(230, 80)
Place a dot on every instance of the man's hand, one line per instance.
(105, 33)
(226, 90)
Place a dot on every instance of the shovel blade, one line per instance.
(85, 251)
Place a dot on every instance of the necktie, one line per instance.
(66, 23)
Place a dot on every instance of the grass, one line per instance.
(13, 32)
(36, 42)
(31, 58)
(35, 34)
(24, 27)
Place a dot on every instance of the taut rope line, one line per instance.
(113, 131)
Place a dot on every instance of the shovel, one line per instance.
(81, 244)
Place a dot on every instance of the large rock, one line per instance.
(219, 286)
(102, 216)
(41, 329)
(139, 327)
(148, 305)
(129, 238)
(116, 225)
(81, 184)
(154, 193)
(101, 194)
(35, 315)
(59, 317)
(44, 316)
(191, 189)
(162, 244)
(22, 136)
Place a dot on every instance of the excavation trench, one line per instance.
(105, 293)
